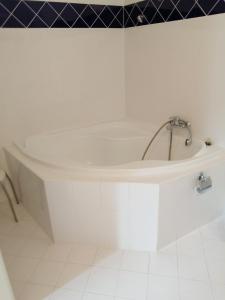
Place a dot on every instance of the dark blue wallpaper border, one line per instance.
(47, 14)
(160, 11)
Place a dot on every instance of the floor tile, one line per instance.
(132, 285)
(162, 288)
(12, 245)
(216, 267)
(103, 281)
(214, 248)
(18, 287)
(136, 261)
(219, 292)
(57, 252)
(22, 214)
(35, 265)
(191, 245)
(36, 292)
(162, 264)
(64, 294)
(192, 268)
(38, 233)
(214, 231)
(5, 211)
(34, 248)
(97, 297)
(6, 225)
(74, 277)
(195, 290)
(24, 228)
(22, 268)
(170, 249)
(82, 254)
(8, 259)
(47, 273)
(109, 258)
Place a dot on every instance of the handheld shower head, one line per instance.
(188, 141)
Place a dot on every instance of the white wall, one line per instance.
(178, 68)
(56, 78)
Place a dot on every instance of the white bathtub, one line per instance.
(90, 185)
(110, 149)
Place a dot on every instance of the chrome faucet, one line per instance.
(171, 124)
(180, 123)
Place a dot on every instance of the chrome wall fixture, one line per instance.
(174, 122)
(204, 183)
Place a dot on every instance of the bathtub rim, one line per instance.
(97, 131)
(158, 175)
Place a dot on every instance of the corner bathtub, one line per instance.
(89, 185)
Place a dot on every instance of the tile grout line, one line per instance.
(35, 14)
(148, 274)
(12, 15)
(91, 272)
(178, 271)
(206, 263)
(119, 269)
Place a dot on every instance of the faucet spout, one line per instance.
(174, 122)
(180, 123)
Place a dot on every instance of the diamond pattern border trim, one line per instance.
(160, 11)
(47, 14)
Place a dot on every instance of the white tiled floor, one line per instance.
(191, 269)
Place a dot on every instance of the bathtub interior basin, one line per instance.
(108, 145)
